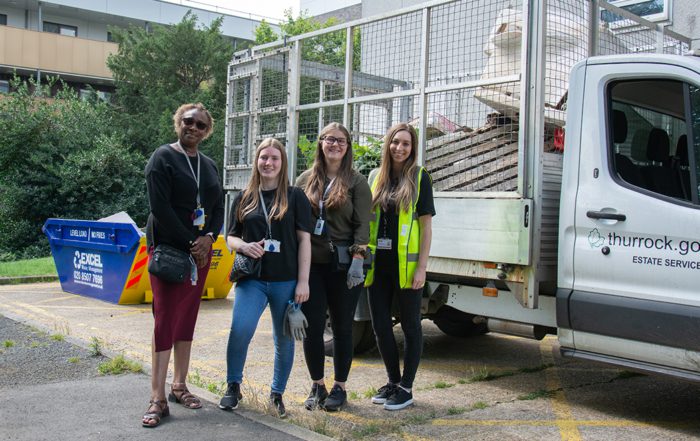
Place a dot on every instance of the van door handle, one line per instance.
(603, 215)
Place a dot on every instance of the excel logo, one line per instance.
(81, 259)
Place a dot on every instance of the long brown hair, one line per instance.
(402, 195)
(251, 197)
(338, 194)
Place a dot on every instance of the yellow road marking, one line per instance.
(568, 428)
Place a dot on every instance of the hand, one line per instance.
(201, 262)
(252, 249)
(419, 278)
(296, 322)
(355, 274)
(301, 293)
(200, 250)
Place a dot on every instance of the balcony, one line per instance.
(76, 59)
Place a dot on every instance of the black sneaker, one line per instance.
(317, 397)
(231, 397)
(278, 404)
(399, 400)
(336, 399)
(383, 393)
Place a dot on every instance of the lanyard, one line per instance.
(267, 216)
(195, 176)
(323, 198)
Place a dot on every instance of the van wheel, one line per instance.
(456, 323)
(362, 337)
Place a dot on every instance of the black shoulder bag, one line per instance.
(168, 263)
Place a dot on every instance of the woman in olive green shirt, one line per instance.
(341, 201)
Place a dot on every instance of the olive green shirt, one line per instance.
(349, 224)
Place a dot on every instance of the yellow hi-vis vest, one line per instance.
(408, 244)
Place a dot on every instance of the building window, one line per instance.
(654, 10)
(57, 28)
(4, 86)
(3, 19)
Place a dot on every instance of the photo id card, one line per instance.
(272, 246)
(318, 229)
(383, 243)
(198, 217)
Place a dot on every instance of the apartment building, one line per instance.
(71, 39)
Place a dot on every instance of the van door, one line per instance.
(636, 245)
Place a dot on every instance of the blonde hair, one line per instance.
(177, 117)
(338, 194)
(404, 192)
(251, 197)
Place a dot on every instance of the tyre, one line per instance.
(456, 323)
(362, 337)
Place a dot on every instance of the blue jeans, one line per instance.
(251, 298)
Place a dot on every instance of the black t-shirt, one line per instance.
(282, 266)
(172, 196)
(389, 220)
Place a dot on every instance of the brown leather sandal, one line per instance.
(157, 409)
(183, 396)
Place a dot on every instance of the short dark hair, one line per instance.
(177, 117)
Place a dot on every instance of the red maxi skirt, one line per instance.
(175, 308)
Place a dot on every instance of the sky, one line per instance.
(270, 9)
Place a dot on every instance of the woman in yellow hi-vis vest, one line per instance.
(400, 236)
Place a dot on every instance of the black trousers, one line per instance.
(329, 292)
(381, 294)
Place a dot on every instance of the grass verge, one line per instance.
(31, 267)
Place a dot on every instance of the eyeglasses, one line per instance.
(330, 140)
(189, 121)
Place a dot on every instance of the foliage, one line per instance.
(60, 157)
(119, 365)
(307, 151)
(95, 347)
(155, 72)
(367, 157)
(264, 33)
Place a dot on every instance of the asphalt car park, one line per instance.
(491, 387)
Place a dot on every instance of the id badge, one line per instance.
(272, 246)
(318, 229)
(383, 243)
(198, 217)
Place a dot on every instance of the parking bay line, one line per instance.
(568, 429)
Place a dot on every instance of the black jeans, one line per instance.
(329, 292)
(381, 294)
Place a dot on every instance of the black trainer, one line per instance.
(383, 393)
(317, 397)
(336, 399)
(231, 398)
(399, 400)
(278, 404)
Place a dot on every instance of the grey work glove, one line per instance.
(355, 273)
(295, 322)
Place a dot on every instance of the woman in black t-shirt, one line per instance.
(270, 220)
(187, 213)
(400, 236)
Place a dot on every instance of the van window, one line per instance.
(649, 133)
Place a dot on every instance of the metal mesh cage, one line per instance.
(450, 68)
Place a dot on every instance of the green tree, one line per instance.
(156, 71)
(61, 157)
(327, 48)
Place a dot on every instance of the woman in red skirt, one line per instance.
(187, 212)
